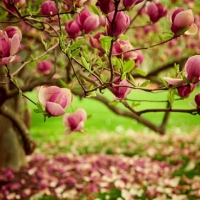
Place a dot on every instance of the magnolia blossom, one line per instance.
(192, 68)
(106, 6)
(197, 100)
(183, 88)
(72, 28)
(48, 8)
(10, 39)
(120, 24)
(75, 121)
(121, 48)
(55, 99)
(87, 21)
(180, 19)
(19, 3)
(44, 67)
(122, 89)
(95, 40)
(128, 4)
(156, 11)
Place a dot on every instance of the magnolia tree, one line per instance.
(64, 48)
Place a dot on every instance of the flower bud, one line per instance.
(55, 99)
(44, 67)
(156, 11)
(87, 21)
(122, 89)
(106, 6)
(120, 24)
(9, 45)
(72, 28)
(18, 3)
(75, 122)
(128, 4)
(181, 19)
(197, 100)
(192, 68)
(48, 8)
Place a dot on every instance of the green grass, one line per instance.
(103, 120)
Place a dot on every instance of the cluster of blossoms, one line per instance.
(56, 100)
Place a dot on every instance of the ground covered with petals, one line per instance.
(109, 166)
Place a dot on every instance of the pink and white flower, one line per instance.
(55, 99)
(9, 44)
(122, 89)
(120, 24)
(44, 67)
(87, 21)
(181, 19)
(74, 122)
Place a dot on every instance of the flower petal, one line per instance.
(54, 109)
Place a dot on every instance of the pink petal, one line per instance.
(69, 96)
(184, 18)
(15, 43)
(172, 81)
(54, 109)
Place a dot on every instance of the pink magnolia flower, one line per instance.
(122, 89)
(72, 28)
(95, 42)
(197, 100)
(44, 67)
(12, 30)
(75, 121)
(106, 6)
(156, 11)
(128, 4)
(121, 48)
(87, 21)
(192, 68)
(55, 99)
(183, 88)
(48, 8)
(120, 24)
(19, 3)
(9, 45)
(180, 19)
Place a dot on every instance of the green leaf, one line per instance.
(128, 66)
(63, 84)
(94, 9)
(84, 63)
(183, 30)
(123, 76)
(132, 79)
(134, 104)
(141, 72)
(170, 96)
(39, 106)
(185, 80)
(145, 83)
(75, 45)
(163, 82)
(105, 42)
(36, 111)
(75, 53)
(43, 58)
(114, 103)
(118, 63)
